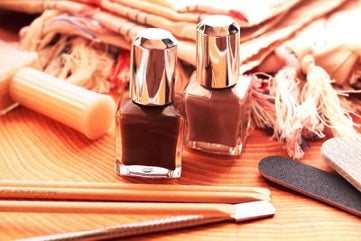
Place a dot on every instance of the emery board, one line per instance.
(344, 155)
(321, 185)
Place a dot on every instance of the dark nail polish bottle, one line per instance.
(216, 99)
(149, 132)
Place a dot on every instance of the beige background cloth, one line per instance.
(263, 28)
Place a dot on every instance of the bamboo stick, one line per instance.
(167, 195)
(172, 187)
(206, 209)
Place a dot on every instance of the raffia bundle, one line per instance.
(86, 42)
(321, 66)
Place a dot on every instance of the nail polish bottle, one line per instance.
(149, 129)
(216, 99)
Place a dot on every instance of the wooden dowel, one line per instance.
(171, 187)
(205, 209)
(45, 193)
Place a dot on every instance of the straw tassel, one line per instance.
(262, 102)
(298, 110)
(319, 88)
(288, 127)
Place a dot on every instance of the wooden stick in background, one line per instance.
(88, 194)
(207, 209)
(122, 186)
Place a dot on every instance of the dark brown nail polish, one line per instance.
(149, 133)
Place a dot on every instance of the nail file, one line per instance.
(344, 155)
(323, 186)
(240, 212)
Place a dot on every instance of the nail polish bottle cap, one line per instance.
(153, 63)
(218, 40)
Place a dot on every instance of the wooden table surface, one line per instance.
(33, 147)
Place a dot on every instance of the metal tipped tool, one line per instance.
(242, 212)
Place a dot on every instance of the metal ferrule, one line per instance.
(153, 63)
(218, 40)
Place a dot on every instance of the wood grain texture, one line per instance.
(33, 147)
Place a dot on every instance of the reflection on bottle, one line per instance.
(216, 100)
(149, 133)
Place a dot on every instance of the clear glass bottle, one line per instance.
(149, 132)
(216, 100)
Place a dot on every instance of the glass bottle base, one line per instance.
(215, 148)
(146, 171)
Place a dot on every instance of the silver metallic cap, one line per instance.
(218, 40)
(153, 63)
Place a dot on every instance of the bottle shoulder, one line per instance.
(239, 91)
(134, 109)
(243, 87)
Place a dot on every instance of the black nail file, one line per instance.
(323, 186)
